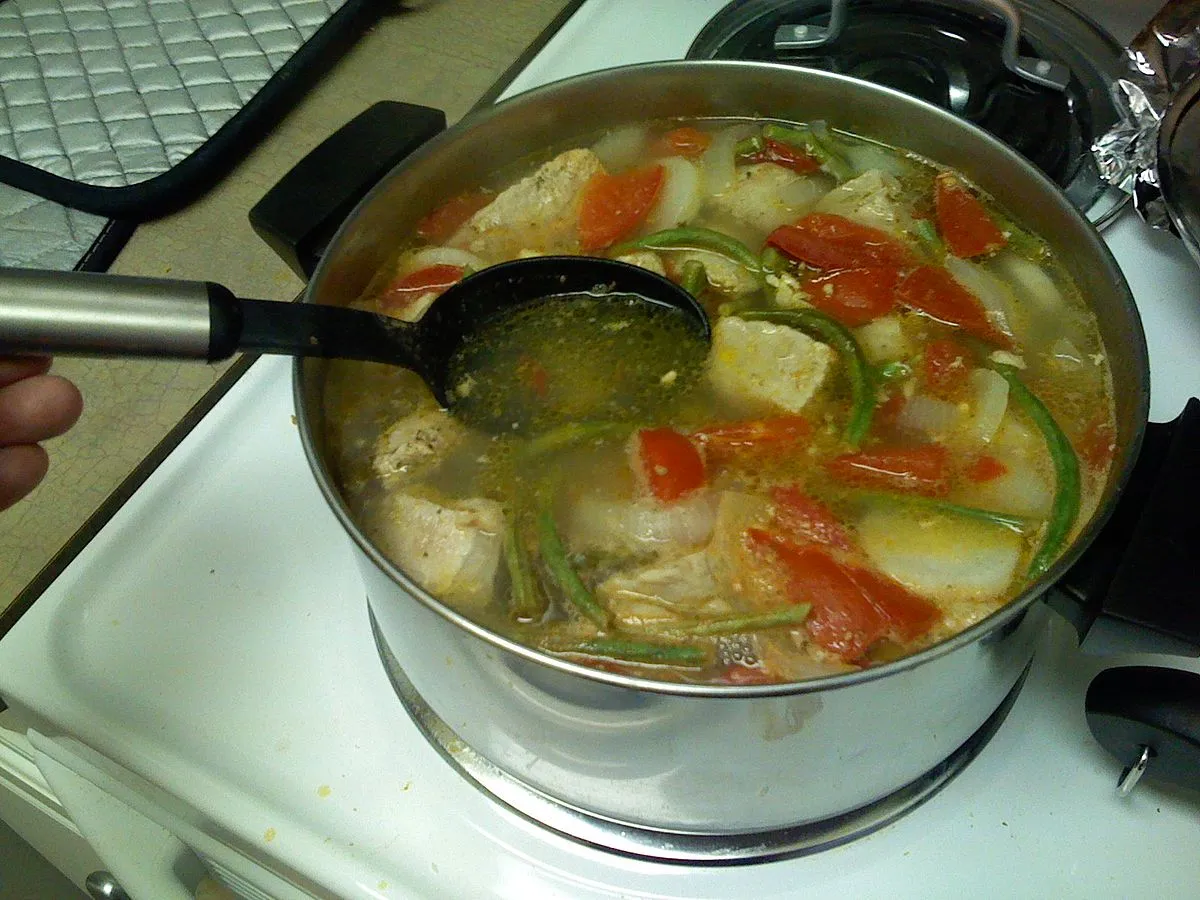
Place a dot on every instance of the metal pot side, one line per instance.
(703, 758)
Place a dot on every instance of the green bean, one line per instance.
(748, 146)
(1065, 507)
(527, 603)
(771, 260)
(1018, 524)
(554, 555)
(926, 231)
(691, 238)
(693, 278)
(819, 143)
(684, 655)
(1019, 240)
(788, 615)
(570, 434)
(862, 387)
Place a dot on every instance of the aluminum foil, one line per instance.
(1160, 61)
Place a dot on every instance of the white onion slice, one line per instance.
(441, 256)
(995, 296)
(989, 401)
(929, 416)
(679, 199)
(621, 148)
(1031, 282)
(718, 163)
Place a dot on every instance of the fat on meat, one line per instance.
(416, 443)
(453, 551)
(539, 211)
(641, 526)
(875, 199)
(761, 367)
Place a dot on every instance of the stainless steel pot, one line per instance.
(709, 759)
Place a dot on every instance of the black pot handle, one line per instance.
(299, 216)
(1136, 587)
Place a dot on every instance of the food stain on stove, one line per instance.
(950, 56)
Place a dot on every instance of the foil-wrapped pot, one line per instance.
(1162, 59)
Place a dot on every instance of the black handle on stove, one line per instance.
(299, 216)
(1136, 588)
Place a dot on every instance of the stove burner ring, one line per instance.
(674, 847)
(972, 65)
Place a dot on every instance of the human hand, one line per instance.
(34, 406)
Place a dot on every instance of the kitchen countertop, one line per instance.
(441, 53)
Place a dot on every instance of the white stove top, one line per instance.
(210, 652)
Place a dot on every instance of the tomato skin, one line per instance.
(685, 141)
(965, 225)
(924, 469)
(397, 296)
(907, 615)
(827, 241)
(933, 291)
(787, 156)
(774, 435)
(985, 468)
(439, 226)
(856, 296)
(669, 462)
(802, 517)
(945, 367)
(613, 206)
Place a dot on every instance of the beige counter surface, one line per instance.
(440, 53)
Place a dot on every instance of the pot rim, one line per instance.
(996, 620)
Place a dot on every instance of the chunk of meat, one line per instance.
(763, 367)
(622, 526)
(766, 195)
(538, 211)
(416, 443)
(874, 199)
(680, 587)
(452, 551)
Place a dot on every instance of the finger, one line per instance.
(14, 368)
(21, 470)
(37, 408)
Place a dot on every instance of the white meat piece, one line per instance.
(539, 211)
(723, 274)
(646, 259)
(945, 557)
(451, 551)
(738, 567)
(417, 443)
(766, 196)
(684, 586)
(763, 367)
(874, 198)
(624, 526)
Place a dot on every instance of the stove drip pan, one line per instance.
(671, 846)
(948, 54)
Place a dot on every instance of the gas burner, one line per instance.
(960, 59)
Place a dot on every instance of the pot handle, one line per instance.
(1134, 588)
(299, 216)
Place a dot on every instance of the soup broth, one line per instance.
(904, 417)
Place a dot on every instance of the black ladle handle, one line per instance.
(114, 315)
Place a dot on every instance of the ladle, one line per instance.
(110, 315)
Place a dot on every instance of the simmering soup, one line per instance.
(905, 414)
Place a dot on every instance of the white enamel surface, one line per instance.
(213, 641)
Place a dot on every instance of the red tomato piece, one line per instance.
(684, 141)
(827, 241)
(985, 468)
(856, 296)
(613, 206)
(440, 225)
(945, 367)
(843, 619)
(402, 292)
(919, 470)
(965, 225)
(907, 615)
(933, 291)
(776, 435)
(804, 518)
(669, 462)
(785, 155)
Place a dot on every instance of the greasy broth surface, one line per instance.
(673, 578)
